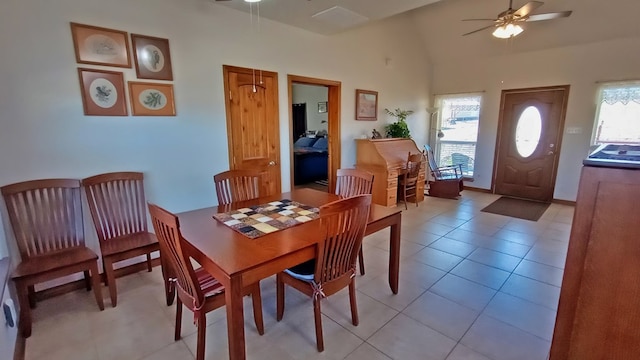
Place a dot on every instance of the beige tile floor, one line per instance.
(473, 286)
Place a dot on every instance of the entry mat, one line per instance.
(518, 208)
(259, 220)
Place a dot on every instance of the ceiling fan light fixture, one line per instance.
(252, 1)
(507, 31)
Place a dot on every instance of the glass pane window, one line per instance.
(618, 114)
(456, 130)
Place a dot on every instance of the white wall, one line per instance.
(578, 66)
(43, 132)
(312, 95)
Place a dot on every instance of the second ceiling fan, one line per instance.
(507, 24)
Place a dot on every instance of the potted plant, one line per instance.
(398, 129)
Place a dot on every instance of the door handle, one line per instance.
(272, 163)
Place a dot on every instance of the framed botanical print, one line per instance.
(102, 92)
(151, 99)
(100, 46)
(152, 57)
(366, 105)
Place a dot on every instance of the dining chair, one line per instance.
(196, 288)
(408, 181)
(117, 205)
(343, 221)
(352, 182)
(237, 185)
(46, 218)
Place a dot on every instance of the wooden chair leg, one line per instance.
(95, 279)
(178, 329)
(202, 328)
(318, 320)
(104, 269)
(404, 198)
(25, 310)
(149, 262)
(279, 297)
(31, 291)
(256, 298)
(361, 261)
(354, 305)
(111, 281)
(87, 280)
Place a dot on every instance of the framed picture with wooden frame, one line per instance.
(100, 46)
(102, 92)
(366, 105)
(152, 57)
(151, 99)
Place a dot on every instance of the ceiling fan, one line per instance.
(507, 24)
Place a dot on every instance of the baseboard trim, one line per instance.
(471, 188)
(564, 202)
(80, 284)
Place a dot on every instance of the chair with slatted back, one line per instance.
(46, 218)
(447, 181)
(408, 181)
(196, 289)
(334, 267)
(237, 185)
(352, 182)
(118, 210)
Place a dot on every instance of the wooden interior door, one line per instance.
(526, 159)
(252, 123)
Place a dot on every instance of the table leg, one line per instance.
(394, 253)
(235, 319)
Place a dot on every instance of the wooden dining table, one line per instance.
(237, 260)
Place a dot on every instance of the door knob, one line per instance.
(272, 163)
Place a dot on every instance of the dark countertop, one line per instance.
(4, 274)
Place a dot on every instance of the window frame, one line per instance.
(436, 126)
(600, 101)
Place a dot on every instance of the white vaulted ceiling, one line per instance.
(439, 23)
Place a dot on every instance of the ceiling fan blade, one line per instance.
(527, 8)
(549, 16)
(479, 20)
(475, 31)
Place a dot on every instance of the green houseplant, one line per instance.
(398, 129)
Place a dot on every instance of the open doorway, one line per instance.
(314, 113)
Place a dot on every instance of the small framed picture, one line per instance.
(100, 46)
(102, 92)
(152, 57)
(366, 105)
(322, 107)
(151, 99)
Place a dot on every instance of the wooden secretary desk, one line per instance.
(386, 159)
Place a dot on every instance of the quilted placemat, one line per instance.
(256, 221)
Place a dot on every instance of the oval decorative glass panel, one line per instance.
(528, 131)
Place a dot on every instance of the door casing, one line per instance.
(333, 122)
